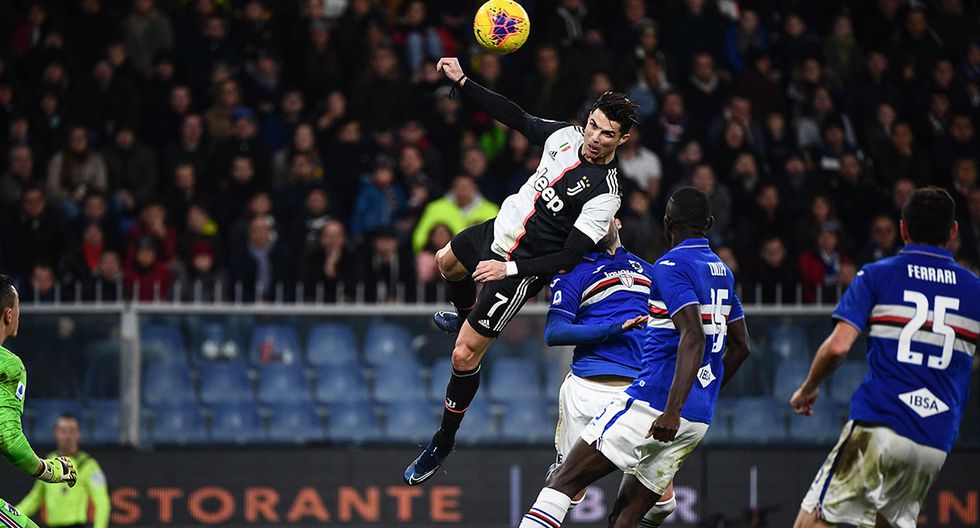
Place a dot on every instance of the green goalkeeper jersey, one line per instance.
(13, 389)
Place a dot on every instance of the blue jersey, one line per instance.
(690, 273)
(602, 290)
(923, 310)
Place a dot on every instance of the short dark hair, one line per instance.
(929, 214)
(68, 416)
(691, 209)
(7, 292)
(617, 107)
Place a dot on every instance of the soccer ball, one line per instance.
(501, 26)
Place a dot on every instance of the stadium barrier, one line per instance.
(479, 488)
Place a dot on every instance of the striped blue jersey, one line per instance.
(601, 290)
(922, 310)
(690, 273)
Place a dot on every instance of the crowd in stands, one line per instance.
(259, 149)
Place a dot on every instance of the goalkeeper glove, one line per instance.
(58, 470)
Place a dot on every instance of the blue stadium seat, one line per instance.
(167, 382)
(823, 427)
(274, 343)
(514, 379)
(789, 341)
(102, 370)
(296, 423)
(439, 375)
(720, 431)
(280, 383)
(846, 380)
(336, 384)
(789, 376)
(758, 420)
(527, 421)
(44, 413)
(105, 422)
(387, 342)
(225, 382)
(479, 425)
(162, 343)
(331, 344)
(554, 377)
(177, 423)
(236, 423)
(214, 341)
(353, 423)
(398, 380)
(410, 421)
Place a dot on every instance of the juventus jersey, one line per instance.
(565, 192)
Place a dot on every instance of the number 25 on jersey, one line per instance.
(941, 307)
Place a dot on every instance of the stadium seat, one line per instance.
(336, 384)
(398, 381)
(789, 376)
(167, 382)
(514, 379)
(353, 423)
(216, 342)
(527, 421)
(296, 423)
(225, 382)
(105, 422)
(281, 383)
(162, 343)
(823, 427)
(236, 423)
(758, 420)
(554, 377)
(409, 421)
(102, 370)
(439, 375)
(788, 341)
(274, 343)
(846, 380)
(331, 344)
(479, 425)
(386, 342)
(720, 431)
(44, 413)
(176, 423)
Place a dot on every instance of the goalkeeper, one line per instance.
(13, 388)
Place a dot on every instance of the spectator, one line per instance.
(743, 38)
(758, 84)
(262, 89)
(878, 131)
(884, 241)
(329, 270)
(460, 208)
(697, 29)
(44, 287)
(705, 92)
(218, 117)
(774, 278)
(641, 232)
(20, 174)
(308, 224)
(200, 227)
(640, 164)
(765, 221)
(74, 171)
(203, 281)
(147, 32)
(970, 229)
(964, 181)
(191, 148)
(321, 68)
(426, 268)
(303, 142)
(244, 141)
(261, 267)
(842, 54)
(106, 282)
(821, 212)
(821, 113)
(856, 199)
(416, 36)
(820, 265)
(703, 178)
(147, 277)
(33, 234)
(904, 159)
(390, 272)
(379, 96)
(181, 193)
(649, 88)
(152, 224)
(797, 186)
(674, 127)
(546, 90)
(80, 264)
(872, 88)
(235, 191)
(379, 203)
(796, 43)
(132, 167)
(278, 128)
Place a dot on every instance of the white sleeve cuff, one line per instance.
(511, 268)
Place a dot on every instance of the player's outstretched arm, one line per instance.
(500, 108)
(737, 348)
(561, 330)
(829, 356)
(576, 245)
(690, 352)
(18, 452)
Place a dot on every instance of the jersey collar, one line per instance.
(924, 249)
(596, 255)
(693, 243)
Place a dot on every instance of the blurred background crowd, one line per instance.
(233, 149)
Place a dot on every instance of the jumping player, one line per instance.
(649, 430)
(923, 310)
(596, 307)
(558, 215)
(13, 389)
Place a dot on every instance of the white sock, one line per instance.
(548, 511)
(660, 511)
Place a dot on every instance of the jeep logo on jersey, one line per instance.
(923, 402)
(552, 200)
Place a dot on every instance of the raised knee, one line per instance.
(465, 357)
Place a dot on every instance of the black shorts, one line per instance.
(498, 301)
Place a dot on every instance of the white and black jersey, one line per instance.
(565, 192)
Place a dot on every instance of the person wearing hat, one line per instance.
(147, 278)
(820, 266)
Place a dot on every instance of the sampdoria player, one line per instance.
(923, 314)
(13, 390)
(651, 428)
(558, 215)
(600, 307)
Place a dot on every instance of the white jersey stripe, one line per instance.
(639, 288)
(923, 337)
